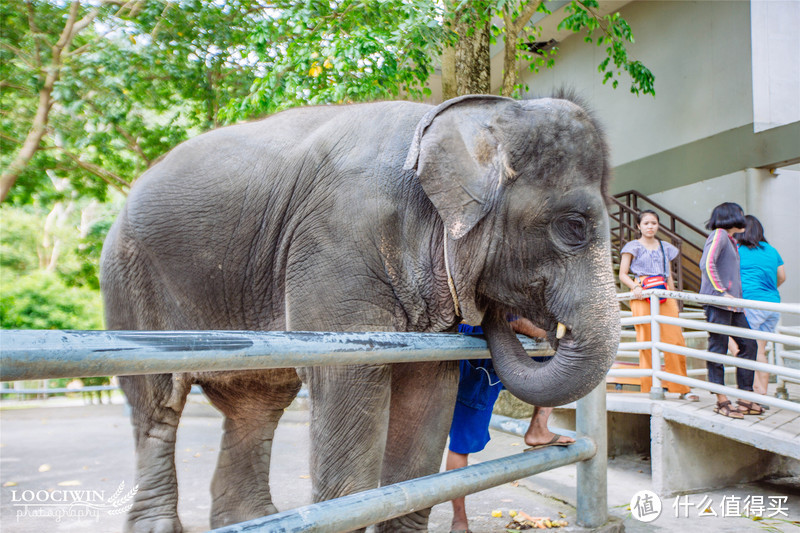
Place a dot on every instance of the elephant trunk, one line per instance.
(580, 363)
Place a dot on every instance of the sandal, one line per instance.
(749, 408)
(690, 397)
(724, 409)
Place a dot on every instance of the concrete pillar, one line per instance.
(754, 186)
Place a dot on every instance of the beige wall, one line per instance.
(776, 62)
(700, 55)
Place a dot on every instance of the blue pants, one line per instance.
(478, 388)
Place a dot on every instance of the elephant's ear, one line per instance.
(459, 159)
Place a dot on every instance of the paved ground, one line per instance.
(51, 453)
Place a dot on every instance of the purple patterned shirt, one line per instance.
(649, 262)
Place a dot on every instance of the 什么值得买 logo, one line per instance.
(645, 506)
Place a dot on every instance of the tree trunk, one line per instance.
(512, 29)
(509, 59)
(466, 66)
(472, 59)
(449, 73)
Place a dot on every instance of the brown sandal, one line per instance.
(750, 408)
(724, 409)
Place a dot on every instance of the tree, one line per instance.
(472, 19)
(41, 300)
(320, 52)
(94, 92)
(46, 59)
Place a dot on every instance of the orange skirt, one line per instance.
(674, 363)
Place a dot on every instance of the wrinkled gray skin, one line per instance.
(333, 218)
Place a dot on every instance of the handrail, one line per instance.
(120, 352)
(368, 507)
(678, 271)
(669, 233)
(657, 346)
(114, 353)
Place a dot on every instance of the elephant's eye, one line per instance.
(571, 229)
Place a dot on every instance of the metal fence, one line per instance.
(27, 355)
(688, 321)
(39, 354)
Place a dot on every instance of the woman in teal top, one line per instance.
(762, 273)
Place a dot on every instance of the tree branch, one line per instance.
(525, 16)
(112, 179)
(513, 27)
(39, 126)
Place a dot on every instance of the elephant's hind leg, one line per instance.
(156, 405)
(253, 403)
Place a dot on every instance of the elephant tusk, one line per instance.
(561, 330)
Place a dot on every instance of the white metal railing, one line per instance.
(785, 336)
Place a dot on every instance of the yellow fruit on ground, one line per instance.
(497, 513)
(512, 513)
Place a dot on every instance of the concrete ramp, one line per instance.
(694, 449)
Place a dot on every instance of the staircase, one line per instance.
(686, 237)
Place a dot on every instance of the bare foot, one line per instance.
(459, 525)
(536, 438)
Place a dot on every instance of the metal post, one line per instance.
(656, 392)
(590, 421)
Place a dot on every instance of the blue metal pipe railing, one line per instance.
(91, 353)
(113, 353)
(376, 505)
(61, 390)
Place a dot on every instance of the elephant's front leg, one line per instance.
(157, 402)
(349, 421)
(423, 398)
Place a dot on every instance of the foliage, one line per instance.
(615, 33)
(27, 244)
(85, 272)
(41, 300)
(522, 41)
(19, 239)
(96, 106)
(132, 83)
(319, 52)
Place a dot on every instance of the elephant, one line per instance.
(386, 216)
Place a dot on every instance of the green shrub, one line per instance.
(41, 300)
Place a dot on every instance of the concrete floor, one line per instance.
(74, 447)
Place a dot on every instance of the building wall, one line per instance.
(693, 145)
(776, 63)
(700, 55)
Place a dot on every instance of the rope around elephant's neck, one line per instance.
(450, 282)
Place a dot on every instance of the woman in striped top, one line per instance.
(719, 267)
